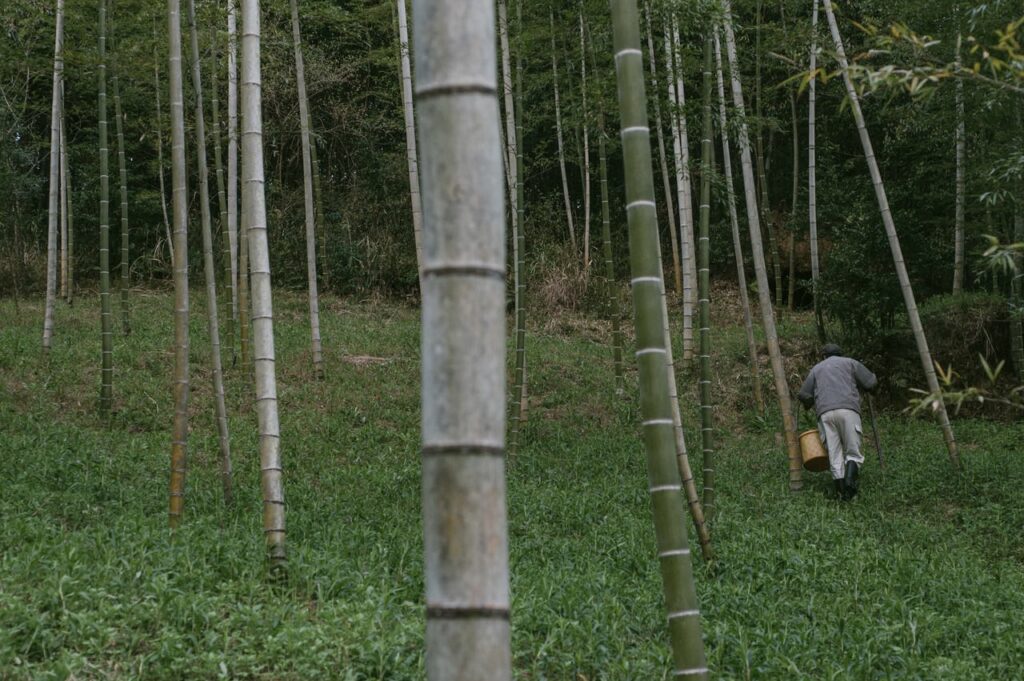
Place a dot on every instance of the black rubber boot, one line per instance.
(850, 484)
(838, 490)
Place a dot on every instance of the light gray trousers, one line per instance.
(841, 430)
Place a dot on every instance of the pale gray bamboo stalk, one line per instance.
(220, 409)
(664, 484)
(760, 269)
(410, 134)
(510, 112)
(106, 313)
(53, 213)
(227, 282)
(560, 136)
(894, 242)
(254, 200)
(586, 147)
(63, 197)
(160, 149)
(961, 143)
(737, 243)
(463, 343)
(179, 206)
(681, 147)
(122, 174)
(307, 192)
(232, 189)
(812, 170)
(652, 63)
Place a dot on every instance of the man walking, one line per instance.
(833, 387)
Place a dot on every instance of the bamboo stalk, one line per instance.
(234, 238)
(307, 193)
(69, 290)
(220, 409)
(655, 404)
(961, 189)
(255, 222)
(519, 389)
(894, 243)
(122, 174)
(159, 134)
(510, 115)
(53, 211)
(812, 182)
(704, 292)
(463, 369)
(410, 135)
(64, 198)
(741, 275)
(792, 204)
(558, 132)
(226, 280)
(586, 148)
(760, 270)
(106, 314)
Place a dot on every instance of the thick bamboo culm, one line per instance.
(655, 404)
(255, 222)
(465, 537)
(741, 275)
(894, 241)
(704, 292)
(53, 212)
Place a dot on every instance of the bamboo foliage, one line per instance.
(122, 174)
(652, 62)
(208, 266)
(106, 314)
(179, 208)
(704, 291)
(53, 212)
(255, 222)
(307, 193)
(655, 404)
(894, 242)
(741, 275)
(757, 249)
(463, 343)
(410, 133)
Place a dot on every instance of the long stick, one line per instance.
(874, 432)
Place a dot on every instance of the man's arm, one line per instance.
(806, 394)
(865, 379)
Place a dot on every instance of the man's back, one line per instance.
(833, 384)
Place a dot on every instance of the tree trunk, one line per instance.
(681, 147)
(561, 143)
(159, 134)
(662, 159)
(307, 192)
(255, 222)
(961, 143)
(179, 206)
(233, 236)
(519, 389)
(741, 276)
(410, 135)
(463, 371)
(704, 292)
(53, 212)
(894, 243)
(655, 404)
(106, 313)
(763, 291)
(122, 173)
(226, 280)
(812, 182)
(224, 438)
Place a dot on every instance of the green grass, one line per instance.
(919, 578)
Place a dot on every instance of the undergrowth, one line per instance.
(920, 577)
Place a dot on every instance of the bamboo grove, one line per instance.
(472, 195)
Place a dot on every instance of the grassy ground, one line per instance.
(919, 578)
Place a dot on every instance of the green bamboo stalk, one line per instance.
(412, 161)
(961, 152)
(792, 204)
(1017, 297)
(53, 211)
(122, 172)
(812, 181)
(179, 207)
(63, 198)
(307, 186)
(894, 242)
(766, 213)
(220, 409)
(227, 281)
(760, 269)
(69, 290)
(321, 217)
(463, 370)
(159, 134)
(741, 275)
(655, 404)
(559, 136)
(255, 222)
(234, 238)
(106, 314)
(704, 292)
(519, 227)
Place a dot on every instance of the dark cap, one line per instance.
(831, 350)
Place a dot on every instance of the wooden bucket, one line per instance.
(813, 451)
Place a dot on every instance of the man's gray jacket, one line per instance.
(833, 383)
